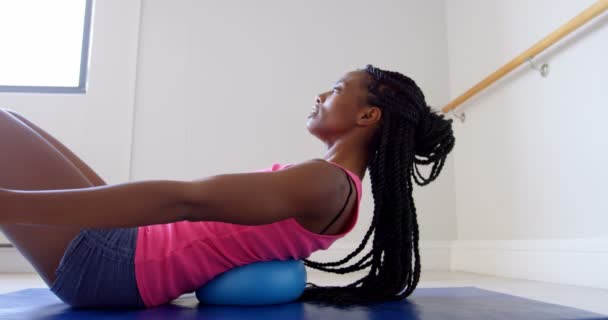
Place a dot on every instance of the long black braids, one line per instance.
(410, 134)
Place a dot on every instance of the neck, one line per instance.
(350, 155)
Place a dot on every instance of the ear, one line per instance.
(370, 116)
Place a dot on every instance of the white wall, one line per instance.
(225, 86)
(530, 161)
(96, 125)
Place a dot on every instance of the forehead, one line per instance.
(354, 80)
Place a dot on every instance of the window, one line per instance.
(44, 45)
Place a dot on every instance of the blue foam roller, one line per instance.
(259, 283)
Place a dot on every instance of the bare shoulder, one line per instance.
(321, 185)
(317, 168)
(317, 176)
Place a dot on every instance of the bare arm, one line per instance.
(310, 189)
(120, 205)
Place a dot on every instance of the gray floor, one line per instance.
(590, 299)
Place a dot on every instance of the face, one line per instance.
(341, 109)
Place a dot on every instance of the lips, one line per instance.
(315, 110)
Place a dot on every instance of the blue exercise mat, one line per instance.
(425, 303)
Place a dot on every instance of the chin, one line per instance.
(311, 129)
(309, 125)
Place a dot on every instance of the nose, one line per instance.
(321, 97)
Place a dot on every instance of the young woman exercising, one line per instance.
(141, 244)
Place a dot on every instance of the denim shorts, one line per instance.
(98, 270)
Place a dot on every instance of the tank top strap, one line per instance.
(350, 191)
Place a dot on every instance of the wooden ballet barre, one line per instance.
(590, 13)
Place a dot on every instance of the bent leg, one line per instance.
(91, 175)
(29, 162)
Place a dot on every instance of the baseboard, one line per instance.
(578, 261)
(434, 255)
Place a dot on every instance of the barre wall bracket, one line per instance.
(543, 69)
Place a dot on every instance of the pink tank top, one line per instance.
(176, 258)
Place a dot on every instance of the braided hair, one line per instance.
(409, 134)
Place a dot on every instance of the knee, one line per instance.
(5, 115)
(11, 112)
(14, 115)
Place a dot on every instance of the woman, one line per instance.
(142, 244)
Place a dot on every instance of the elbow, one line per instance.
(195, 198)
(188, 202)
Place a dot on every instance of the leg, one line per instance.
(29, 162)
(95, 179)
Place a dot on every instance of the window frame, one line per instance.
(84, 63)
